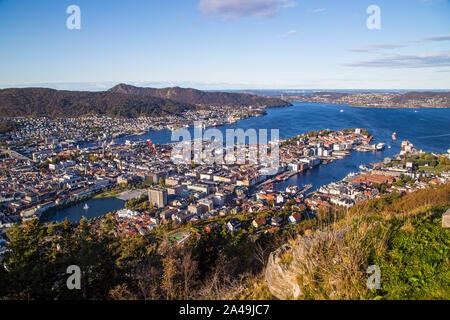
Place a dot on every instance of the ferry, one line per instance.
(363, 167)
(394, 136)
(381, 146)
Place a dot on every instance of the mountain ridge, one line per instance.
(199, 97)
(63, 103)
(120, 101)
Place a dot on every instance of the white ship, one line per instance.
(86, 207)
(381, 146)
(363, 167)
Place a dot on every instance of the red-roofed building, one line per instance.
(259, 222)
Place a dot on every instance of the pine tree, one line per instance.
(27, 262)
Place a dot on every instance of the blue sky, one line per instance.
(226, 44)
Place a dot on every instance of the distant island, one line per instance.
(122, 101)
(377, 100)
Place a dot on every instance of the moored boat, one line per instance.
(363, 167)
(380, 146)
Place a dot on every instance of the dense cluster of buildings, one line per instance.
(367, 183)
(377, 99)
(191, 192)
(44, 134)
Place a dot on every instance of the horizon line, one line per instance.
(101, 86)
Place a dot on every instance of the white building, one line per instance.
(128, 214)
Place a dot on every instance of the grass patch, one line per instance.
(286, 257)
(415, 264)
(402, 235)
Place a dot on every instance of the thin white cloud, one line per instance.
(318, 10)
(378, 47)
(426, 60)
(387, 46)
(290, 4)
(434, 1)
(444, 37)
(232, 9)
(102, 86)
(289, 33)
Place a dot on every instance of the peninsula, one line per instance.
(377, 100)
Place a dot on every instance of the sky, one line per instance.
(226, 44)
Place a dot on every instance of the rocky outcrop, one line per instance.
(446, 219)
(283, 275)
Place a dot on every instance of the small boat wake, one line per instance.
(440, 135)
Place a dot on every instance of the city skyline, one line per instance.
(223, 45)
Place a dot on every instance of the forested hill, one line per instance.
(199, 97)
(53, 103)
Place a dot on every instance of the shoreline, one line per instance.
(373, 107)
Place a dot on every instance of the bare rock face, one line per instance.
(283, 278)
(446, 219)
